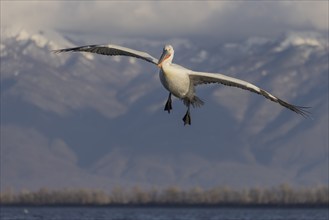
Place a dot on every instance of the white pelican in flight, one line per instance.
(181, 81)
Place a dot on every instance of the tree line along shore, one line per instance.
(283, 195)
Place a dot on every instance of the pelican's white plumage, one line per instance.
(181, 81)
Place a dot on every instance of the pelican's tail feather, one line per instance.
(195, 102)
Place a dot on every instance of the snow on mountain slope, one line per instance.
(107, 114)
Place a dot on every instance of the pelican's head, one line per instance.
(167, 55)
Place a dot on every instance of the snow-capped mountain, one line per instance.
(96, 121)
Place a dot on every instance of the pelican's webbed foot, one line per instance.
(168, 105)
(187, 118)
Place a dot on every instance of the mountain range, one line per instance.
(85, 120)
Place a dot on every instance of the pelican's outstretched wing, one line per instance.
(112, 50)
(204, 78)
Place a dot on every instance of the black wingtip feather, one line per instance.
(301, 110)
(75, 49)
(62, 50)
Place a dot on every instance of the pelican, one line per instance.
(180, 81)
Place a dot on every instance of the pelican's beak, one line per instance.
(165, 55)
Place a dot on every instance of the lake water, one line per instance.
(110, 213)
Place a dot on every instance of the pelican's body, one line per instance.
(175, 79)
(181, 81)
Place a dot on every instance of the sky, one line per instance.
(219, 20)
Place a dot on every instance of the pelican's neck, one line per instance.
(167, 61)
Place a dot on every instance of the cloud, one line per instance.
(168, 19)
(308, 13)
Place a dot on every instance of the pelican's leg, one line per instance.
(187, 116)
(168, 105)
